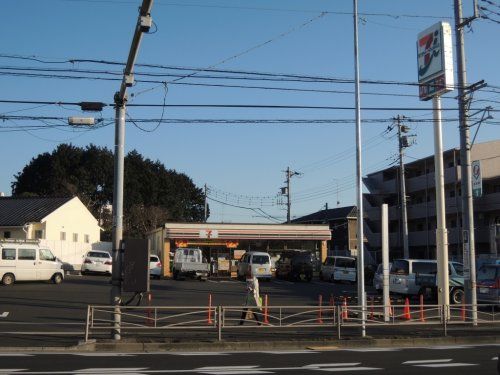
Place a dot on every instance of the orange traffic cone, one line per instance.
(320, 311)
(209, 311)
(406, 310)
(344, 310)
(266, 312)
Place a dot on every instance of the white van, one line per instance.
(337, 268)
(26, 261)
(258, 262)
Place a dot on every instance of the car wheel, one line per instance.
(309, 278)
(457, 296)
(57, 278)
(8, 279)
(321, 276)
(176, 274)
(332, 278)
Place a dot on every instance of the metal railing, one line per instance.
(215, 319)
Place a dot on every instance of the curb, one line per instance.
(211, 346)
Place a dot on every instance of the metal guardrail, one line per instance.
(148, 319)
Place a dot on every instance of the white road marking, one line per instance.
(16, 355)
(494, 359)
(109, 370)
(449, 347)
(422, 361)
(197, 353)
(317, 366)
(9, 370)
(339, 369)
(231, 370)
(92, 354)
(290, 352)
(363, 350)
(4, 314)
(453, 364)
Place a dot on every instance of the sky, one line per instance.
(281, 53)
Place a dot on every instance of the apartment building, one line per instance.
(384, 187)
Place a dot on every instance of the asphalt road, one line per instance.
(440, 360)
(44, 314)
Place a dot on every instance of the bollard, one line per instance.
(209, 311)
(266, 317)
(406, 310)
(320, 312)
(422, 317)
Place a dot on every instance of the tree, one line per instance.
(152, 193)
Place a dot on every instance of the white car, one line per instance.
(259, 263)
(337, 268)
(154, 267)
(98, 262)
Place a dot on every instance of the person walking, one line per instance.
(253, 299)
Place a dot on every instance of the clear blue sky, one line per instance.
(237, 160)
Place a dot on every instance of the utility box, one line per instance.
(135, 265)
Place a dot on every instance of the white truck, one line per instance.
(190, 262)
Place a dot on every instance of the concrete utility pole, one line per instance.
(469, 250)
(402, 183)
(143, 25)
(289, 175)
(206, 204)
(359, 182)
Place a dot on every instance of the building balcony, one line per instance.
(427, 181)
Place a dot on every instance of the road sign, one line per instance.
(435, 61)
(477, 181)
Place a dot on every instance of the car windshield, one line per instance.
(486, 273)
(95, 254)
(260, 259)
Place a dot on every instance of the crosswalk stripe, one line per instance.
(93, 354)
(110, 370)
(289, 352)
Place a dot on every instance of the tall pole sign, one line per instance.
(435, 77)
(477, 182)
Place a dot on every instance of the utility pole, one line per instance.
(403, 143)
(143, 25)
(206, 204)
(359, 182)
(289, 175)
(469, 250)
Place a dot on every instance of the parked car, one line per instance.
(97, 262)
(259, 263)
(418, 276)
(295, 265)
(488, 283)
(378, 277)
(190, 262)
(28, 261)
(154, 267)
(338, 268)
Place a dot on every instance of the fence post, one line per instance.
(209, 311)
(320, 312)
(219, 322)
(87, 324)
